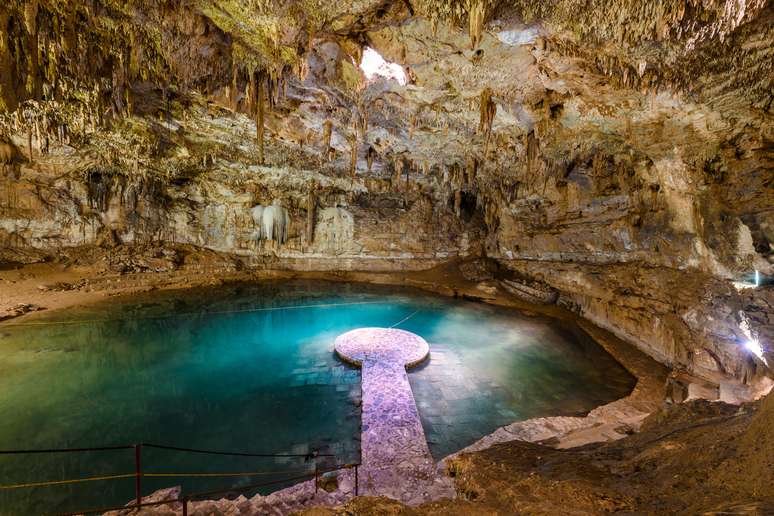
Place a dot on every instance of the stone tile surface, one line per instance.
(396, 460)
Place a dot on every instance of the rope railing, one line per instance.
(147, 474)
(139, 473)
(67, 450)
(237, 454)
(64, 482)
(204, 494)
(313, 454)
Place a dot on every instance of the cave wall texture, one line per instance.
(618, 151)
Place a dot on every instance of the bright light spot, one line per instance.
(515, 38)
(745, 284)
(374, 65)
(752, 344)
(754, 347)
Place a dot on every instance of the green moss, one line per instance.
(350, 75)
(257, 35)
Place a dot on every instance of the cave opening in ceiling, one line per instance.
(375, 66)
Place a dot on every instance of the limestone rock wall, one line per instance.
(41, 214)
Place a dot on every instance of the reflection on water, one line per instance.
(234, 368)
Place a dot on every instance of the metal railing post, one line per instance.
(316, 482)
(138, 473)
(185, 506)
(356, 486)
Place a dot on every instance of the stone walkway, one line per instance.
(396, 460)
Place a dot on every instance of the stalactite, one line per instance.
(487, 112)
(458, 202)
(472, 170)
(398, 166)
(7, 153)
(370, 154)
(476, 19)
(259, 122)
(311, 211)
(127, 101)
(250, 94)
(231, 92)
(272, 222)
(361, 118)
(326, 135)
(353, 150)
(531, 151)
(492, 214)
(335, 230)
(274, 90)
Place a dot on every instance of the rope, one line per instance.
(238, 454)
(405, 319)
(72, 481)
(67, 450)
(186, 314)
(241, 474)
(164, 447)
(158, 475)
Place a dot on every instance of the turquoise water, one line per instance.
(251, 368)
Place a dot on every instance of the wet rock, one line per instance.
(19, 310)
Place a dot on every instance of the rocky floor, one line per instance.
(694, 458)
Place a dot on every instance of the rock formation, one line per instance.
(617, 154)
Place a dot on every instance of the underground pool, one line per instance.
(251, 367)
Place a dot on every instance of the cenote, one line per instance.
(250, 367)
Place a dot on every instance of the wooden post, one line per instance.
(259, 120)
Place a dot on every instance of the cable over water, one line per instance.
(415, 312)
(190, 314)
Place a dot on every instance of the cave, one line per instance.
(386, 257)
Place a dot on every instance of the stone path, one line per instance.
(396, 460)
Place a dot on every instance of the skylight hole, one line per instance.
(374, 66)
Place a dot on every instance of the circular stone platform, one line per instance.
(384, 345)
